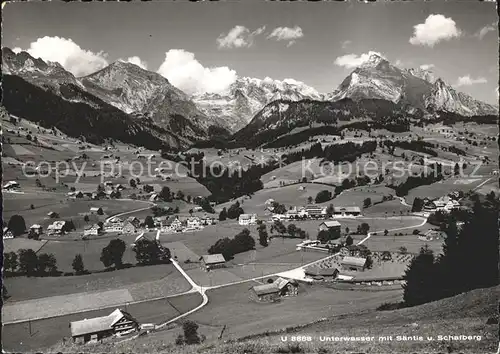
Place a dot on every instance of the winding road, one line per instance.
(202, 290)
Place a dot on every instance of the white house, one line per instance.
(96, 210)
(35, 229)
(57, 228)
(93, 230)
(193, 222)
(7, 233)
(247, 219)
(172, 223)
(11, 185)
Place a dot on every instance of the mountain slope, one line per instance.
(378, 79)
(246, 96)
(167, 114)
(282, 117)
(81, 115)
(135, 90)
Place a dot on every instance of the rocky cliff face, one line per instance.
(377, 78)
(246, 96)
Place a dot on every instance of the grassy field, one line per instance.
(442, 188)
(288, 195)
(15, 244)
(48, 332)
(393, 243)
(463, 314)
(256, 317)
(68, 209)
(390, 207)
(140, 281)
(356, 196)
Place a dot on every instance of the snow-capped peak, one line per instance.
(248, 95)
(423, 74)
(373, 60)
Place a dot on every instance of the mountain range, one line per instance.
(146, 101)
(246, 96)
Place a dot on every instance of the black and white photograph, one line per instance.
(250, 177)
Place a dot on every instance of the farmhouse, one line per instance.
(96, 210)
(172, 223)
(318, 273)
(315, 211)
(114, 225)
(270, 201)
(430, 235)
(280, 287)
(11, 185)
(134, 221)
(329, 225)
(353, 263)
(193, 222)
(346, 211)
(52, 214)
(7, 233)
(95, 329)
(154, 197)
(92, 230)
(128, 227)
(292, 213)
(207, 220)
(57, 228)
(212, 261)
(35, 230)
(247, 219)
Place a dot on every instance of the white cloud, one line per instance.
(485, 30)
(137, 61)
(17, 50)
(286, 34)
(238, 37)
(435, 29)
(189, 75)
(70, 55)
(468, 81)
(426, 66)
(345, 44)
(350, 61)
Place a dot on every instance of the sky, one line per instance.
(204, 47)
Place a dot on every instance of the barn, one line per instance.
(95, 329)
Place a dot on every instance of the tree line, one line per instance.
(228, 247)
(469, 259)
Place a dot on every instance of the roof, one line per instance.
(170, 220)
(57, 225)
(95, 208)
(97, 324)
(11, 183)
(213, 258)
(355, 261)
(266, 289)
(349, 209)
(314, 207)
(35, 226)
(246, 216)
(331, 224)
(321, 271)
(282, 282)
